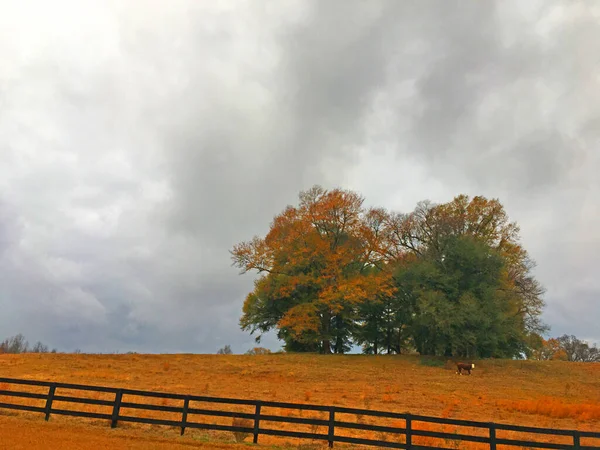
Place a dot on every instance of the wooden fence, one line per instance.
(406, 434)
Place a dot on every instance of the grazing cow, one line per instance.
(464, 366)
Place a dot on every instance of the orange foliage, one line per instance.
(387, 398)
(553, 407)
(325, 246)
(430, 441)
(328, 255)
(549, 350)
(449, 410)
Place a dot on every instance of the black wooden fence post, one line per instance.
(408, 431)
(576, 439)
(116, 408)
(49, 400)
(492, 436)
(331, 426)
(256, 421)
(186, 405)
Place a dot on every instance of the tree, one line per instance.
(15, 344)
(467, 254)
(40, 348)
(457, 308)
(225, 350)
(319, 262)
(382, 325)
(449, 279)
(18, 344)
(578, 350)
(548, 350)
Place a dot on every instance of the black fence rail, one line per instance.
(405, 435)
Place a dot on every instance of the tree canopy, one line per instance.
(565, 348)
(449, 279)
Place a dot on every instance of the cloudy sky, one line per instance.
(140, 140)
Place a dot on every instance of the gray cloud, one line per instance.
(139, 143)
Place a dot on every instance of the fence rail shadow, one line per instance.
(406, 434)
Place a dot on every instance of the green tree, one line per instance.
(382, 325)
(457, 303)
(426, 235)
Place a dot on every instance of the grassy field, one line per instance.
(547, 394)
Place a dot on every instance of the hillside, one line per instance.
(546, 394)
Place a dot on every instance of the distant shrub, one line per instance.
(40, 348)
(258, 351)
(225, 350)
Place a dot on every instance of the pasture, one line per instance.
(551, 394)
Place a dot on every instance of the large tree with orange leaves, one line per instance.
(448, 279)
(319, 262)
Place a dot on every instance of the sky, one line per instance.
(141, 140)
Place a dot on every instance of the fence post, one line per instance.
(408, 431)
(49, 400)
(256, 421)
(331, 425)
(116, 408)
(186, 405)
(492, 436)
(576, 439)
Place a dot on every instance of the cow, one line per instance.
(464, 366)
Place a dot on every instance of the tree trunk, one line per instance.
(399, 341)
(325, 332)
(376, 339)
(339, 340)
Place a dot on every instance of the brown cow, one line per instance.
(464, 366)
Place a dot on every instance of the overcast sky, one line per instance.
(140, 140)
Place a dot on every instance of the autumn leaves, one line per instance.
(334, 273)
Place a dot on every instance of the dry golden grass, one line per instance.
(551, 394)
(34, 434)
